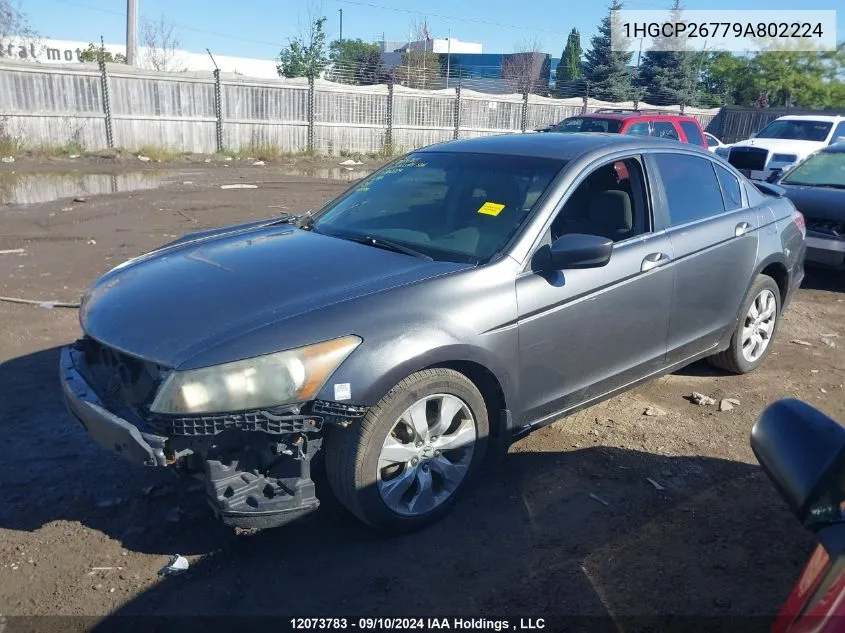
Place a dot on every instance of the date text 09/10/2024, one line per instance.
(418, 624)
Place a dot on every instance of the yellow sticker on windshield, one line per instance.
(491, 208)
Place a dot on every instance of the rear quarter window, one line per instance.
(692, 132)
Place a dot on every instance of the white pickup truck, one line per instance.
(783, 143)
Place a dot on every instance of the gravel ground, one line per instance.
(609, 512)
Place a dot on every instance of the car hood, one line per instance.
(817, 203)
(782, 145)
(186, 297)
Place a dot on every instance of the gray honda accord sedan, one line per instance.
(440, 309)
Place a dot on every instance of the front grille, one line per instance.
(833, 228)
(118, 377)
(748, 158)
(254, 421)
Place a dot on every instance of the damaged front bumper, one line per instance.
(256, 465)
(104, 427)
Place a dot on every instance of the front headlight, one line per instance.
(784, 158)
(276, 379)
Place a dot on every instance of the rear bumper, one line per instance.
(107, 429)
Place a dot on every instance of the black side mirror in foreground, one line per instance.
(803, 453)
(577, 250)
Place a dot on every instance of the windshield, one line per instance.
(800, 130)
(588, 124)
(450, 206)
(822, 169)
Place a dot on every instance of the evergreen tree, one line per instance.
(606, 69)
(569, 69)
(670, 77)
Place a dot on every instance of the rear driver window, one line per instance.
(692, 190)
(664, 129)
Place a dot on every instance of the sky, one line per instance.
(259, 28)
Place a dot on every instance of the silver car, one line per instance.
(454, 301)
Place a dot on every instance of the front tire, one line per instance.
(752, 339)
(404, 465)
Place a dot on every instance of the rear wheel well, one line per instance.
(778, 272)
(490, 389)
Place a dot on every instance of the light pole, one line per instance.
(131, 28)
(341, 24)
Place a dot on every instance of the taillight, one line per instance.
(798, 219)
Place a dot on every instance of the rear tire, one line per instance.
(399, 474)
(752, 339)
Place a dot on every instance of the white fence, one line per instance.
(124, 107)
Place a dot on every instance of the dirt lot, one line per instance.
(568, 523)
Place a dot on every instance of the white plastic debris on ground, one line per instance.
(239, 186)
(7, 159)
(177, 565)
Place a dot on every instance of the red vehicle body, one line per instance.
(817, 602)
(802, 451)
(635, 123)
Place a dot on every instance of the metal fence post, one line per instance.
(586, 99)
(524, 110)
(104, 83)
(457, 110)
(218, 108)
(388, 135)
(311, 108)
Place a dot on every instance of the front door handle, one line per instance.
(653, 260)
(741, 229)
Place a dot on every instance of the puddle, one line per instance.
(45, 187)
(334, 173)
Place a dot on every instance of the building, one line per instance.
(444, 46)
(69, 52)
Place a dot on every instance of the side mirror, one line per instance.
(802, 451)
(577, 250)
(774, 176)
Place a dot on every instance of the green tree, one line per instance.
(355, 62)
(726, 80)
(92, 54)
(667, 76)
(305, 56)
(795, 78)
(570, 68)
(371, 69)
(605, 69)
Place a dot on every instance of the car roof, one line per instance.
(555, 145)
(812, 117)
(621, 116)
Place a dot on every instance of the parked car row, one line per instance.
(804, 154)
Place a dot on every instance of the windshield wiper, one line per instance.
(379, 242)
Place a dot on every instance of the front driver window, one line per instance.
(610, 202)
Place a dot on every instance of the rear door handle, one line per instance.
(741, 229)
(653, 260)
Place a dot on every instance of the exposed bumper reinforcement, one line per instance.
(104, 427)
